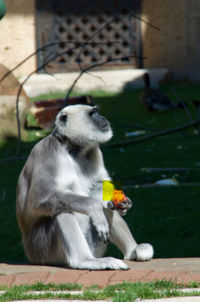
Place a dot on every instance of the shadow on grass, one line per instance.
(167, 217)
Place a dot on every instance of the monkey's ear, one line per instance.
(63, 118)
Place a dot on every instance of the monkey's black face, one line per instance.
(99, 120)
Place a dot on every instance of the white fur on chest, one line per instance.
(70, 177)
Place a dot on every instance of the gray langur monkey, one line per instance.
(60, 208)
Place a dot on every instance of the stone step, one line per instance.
(113, 80)
(179, 270)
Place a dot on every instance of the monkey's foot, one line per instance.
(107, 263)
(142, 252)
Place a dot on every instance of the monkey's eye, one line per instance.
(94, 110)
(63, 118)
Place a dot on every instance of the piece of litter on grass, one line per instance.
(122, 150)
(167, 182)
(135, 133)
(145, 169)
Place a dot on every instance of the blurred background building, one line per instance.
(30, 24)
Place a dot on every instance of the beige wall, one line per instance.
(17, 35)
(164, 48)
(177, 44)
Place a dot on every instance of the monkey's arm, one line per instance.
(120, 234)
(45, 200)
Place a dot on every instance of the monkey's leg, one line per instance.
(75, 251)
(121, 236)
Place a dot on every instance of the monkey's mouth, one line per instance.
(105, 126)
(101, 122)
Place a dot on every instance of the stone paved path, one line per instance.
(180, 270)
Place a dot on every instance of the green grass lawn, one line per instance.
(125, 292)
(167, 217)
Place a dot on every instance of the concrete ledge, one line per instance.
(168, 264)
(176, 299)
(113, 80)
(181, 270)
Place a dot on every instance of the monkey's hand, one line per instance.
(122, 206)
(100, 223)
